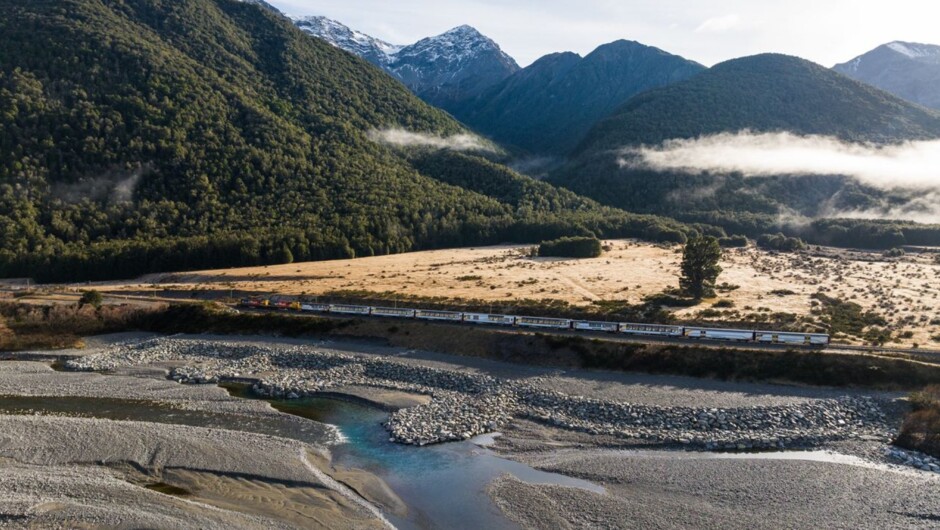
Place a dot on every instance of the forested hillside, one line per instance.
(143, 135)
(765, 93)
(548, 107)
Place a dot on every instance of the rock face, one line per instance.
(549, 106)
(905, 69)
(464, 405)
(443, 70)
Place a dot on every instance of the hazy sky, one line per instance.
(708, 31)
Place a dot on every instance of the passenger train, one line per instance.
(689, 332)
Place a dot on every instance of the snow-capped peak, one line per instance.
(454, 46)
(375, 50)
(913, 50)
(457, 64)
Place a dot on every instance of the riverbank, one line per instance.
(464, 404)
(582, 424)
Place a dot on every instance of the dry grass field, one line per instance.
(904, 291)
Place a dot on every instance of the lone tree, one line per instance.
(92, 298)
(700, 266)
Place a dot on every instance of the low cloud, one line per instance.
(457, 142)
(924, 208)
(115, 186)
(911, 165)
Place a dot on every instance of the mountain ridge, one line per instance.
(443, 69)
(907, 70)
(547, 107)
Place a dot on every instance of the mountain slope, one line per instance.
(548, 107)
(766, 93)
(148, 135)
(376, 51)
(907, 70)
(443, 70)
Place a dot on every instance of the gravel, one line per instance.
(465, 404)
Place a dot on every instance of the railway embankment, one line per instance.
(464, 404)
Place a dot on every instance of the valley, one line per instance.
(763, 288)
(263, 269)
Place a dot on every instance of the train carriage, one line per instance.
(719, 334)
(650, 329)
(589, 325)
(308, 306)
(542, 322)
(393, 312)
(783, 337)
(450, 316)
(485, 318)
(350, 309)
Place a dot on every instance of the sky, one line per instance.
(707, 31)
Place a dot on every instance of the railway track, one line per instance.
(927, 355)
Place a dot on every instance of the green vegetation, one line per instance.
(762, 94)
(700, 268)
(849, 318)
(33, 327)
(733, 241)
(571, 247)
(812, 368)
(780, 242)
(921, 428)
(549, 106)
(92, 298)
(146, 135)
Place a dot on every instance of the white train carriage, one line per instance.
(784, 337)
(393, 312)
(450, 316)
(485, 318)
(719, 334)
(344, 309)
(542, 322)
(322, 308)
(650, 329)
(593, 325)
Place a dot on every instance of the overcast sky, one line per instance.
(708, 31)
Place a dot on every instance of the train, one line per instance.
(626, 328)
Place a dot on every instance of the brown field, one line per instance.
(904, 290)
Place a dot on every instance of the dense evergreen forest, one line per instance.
(765, 93)
(151, 135)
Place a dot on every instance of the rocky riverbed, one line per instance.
(465, 404)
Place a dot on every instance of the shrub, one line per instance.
(571, 247)
(896, 252)
(780, 242)
(92, 298)
(723, 303)
(733, 241)
(921, 428)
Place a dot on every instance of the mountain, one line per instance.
(147, 135)
(549, 106)
(764, 93)
(453, 66)
(376, 51)
(442, 70)
(905, 69)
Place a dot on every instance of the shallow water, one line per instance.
(444, 486)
